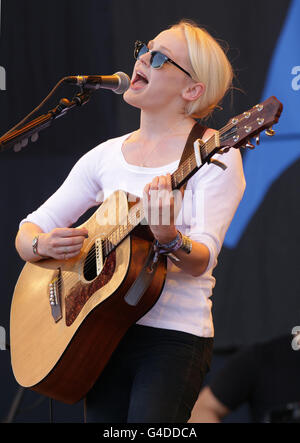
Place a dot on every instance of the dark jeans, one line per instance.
(154, 376)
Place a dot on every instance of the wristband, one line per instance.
(172, 246)
(179, 242)
(166, 248)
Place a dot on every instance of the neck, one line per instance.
(155, 126)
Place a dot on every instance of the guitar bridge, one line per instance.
(99, 255)
(55, 296)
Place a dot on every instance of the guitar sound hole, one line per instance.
(90, 265)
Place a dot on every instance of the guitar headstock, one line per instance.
(241, 129)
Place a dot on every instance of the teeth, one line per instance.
(142, 75)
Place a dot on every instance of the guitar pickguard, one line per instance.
(81, 293)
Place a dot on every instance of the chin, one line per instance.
(132, 99)
(152, 102)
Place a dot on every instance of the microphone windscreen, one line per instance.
(123, 84)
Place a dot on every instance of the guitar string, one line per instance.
(114, 235)
(112, 238)
(186, 168)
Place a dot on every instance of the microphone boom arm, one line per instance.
(19, 138)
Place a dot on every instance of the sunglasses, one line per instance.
(157, 60)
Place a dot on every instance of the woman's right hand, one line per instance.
(61, 243)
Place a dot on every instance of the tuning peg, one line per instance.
(35, 137)
(18, 147)
(250, 146)
(270, 132)
(257, 139)
(22, 144)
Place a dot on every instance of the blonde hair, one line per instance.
(210, 66)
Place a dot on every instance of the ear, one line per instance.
(193, 91)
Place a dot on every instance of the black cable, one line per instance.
(24, 120)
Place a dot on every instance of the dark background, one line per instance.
(40, 43)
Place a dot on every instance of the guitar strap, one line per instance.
(146, 275)
(197, 132)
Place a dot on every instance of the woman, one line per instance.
(157, 370)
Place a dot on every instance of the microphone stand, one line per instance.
(19, 138)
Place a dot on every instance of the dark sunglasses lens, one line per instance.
(158, 59)
(140, 49)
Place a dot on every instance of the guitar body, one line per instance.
(60, 350)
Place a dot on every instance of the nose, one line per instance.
(145, 58)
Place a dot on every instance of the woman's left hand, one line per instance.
(161, 207)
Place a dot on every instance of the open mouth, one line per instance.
(139, 80)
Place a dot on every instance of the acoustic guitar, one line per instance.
(67, 317)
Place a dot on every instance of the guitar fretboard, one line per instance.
(134, 217)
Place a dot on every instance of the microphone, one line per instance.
(118, 82)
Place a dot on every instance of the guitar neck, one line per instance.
(201, 155)
(134, 217)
